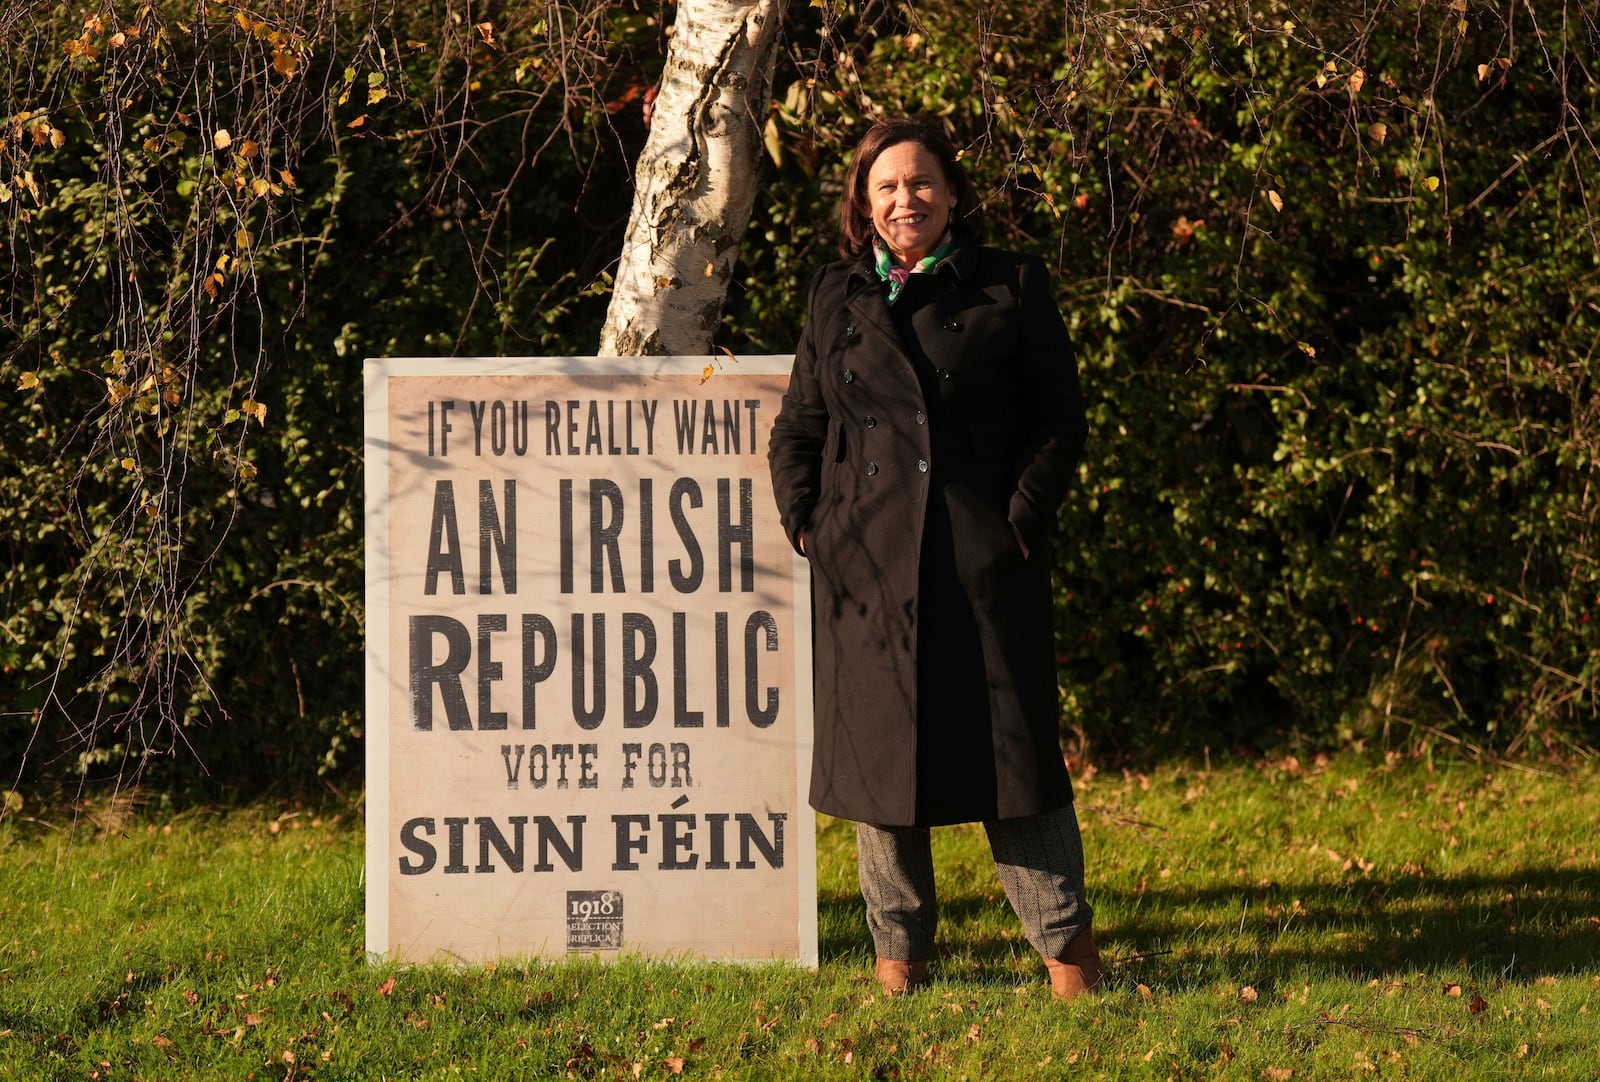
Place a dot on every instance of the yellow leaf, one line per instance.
(1483, 72)
(358, 122)
(1379, 131)
(285, 63)
(260, 187)
(286, 178)
(1358, 79)
(244, 238)
(58, 138)
(1432, 184)
(1275, 199)
(771, 140)
(376, 94)
(1308, 349)
(221, 139)
(249, 149)
(129, 464)
(250, 407)
(707, 372)
(28, 382)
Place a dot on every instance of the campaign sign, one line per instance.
(588, 664)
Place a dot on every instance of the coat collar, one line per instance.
(864, 289)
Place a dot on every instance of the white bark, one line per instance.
(695, 181)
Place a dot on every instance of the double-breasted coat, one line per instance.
(915, 445)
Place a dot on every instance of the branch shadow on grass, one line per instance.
(1511, 927)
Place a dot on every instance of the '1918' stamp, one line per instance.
(594, 920)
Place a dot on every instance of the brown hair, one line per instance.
(855, 208)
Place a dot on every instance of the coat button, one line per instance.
(952, 325)
(945, 373)
(872, 468)
(922, 418)
(922, 465)
(850, 331)
(871, 421)
(849, 376)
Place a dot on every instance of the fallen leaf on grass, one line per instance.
(160, 1040)
(675, 1064)
(1278, 1074)
(1478, 1005)
(386, 987)
(1451, 988)
(1248, 994)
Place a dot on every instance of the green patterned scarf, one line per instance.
(895, 275)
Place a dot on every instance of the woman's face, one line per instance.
(911, 200)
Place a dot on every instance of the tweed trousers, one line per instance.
(1040, 861)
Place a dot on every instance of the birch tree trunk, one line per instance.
(695, 181)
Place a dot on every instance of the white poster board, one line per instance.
(588, 664)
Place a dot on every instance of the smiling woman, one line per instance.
(931, 429)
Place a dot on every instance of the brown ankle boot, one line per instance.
(900, 978)
(1079, 971)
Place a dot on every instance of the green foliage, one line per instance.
(1348, 918)
(1334, 278)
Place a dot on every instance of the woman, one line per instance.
(931, 428)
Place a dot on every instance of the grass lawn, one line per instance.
(1346, 919)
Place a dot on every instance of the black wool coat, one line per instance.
(915, 445)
